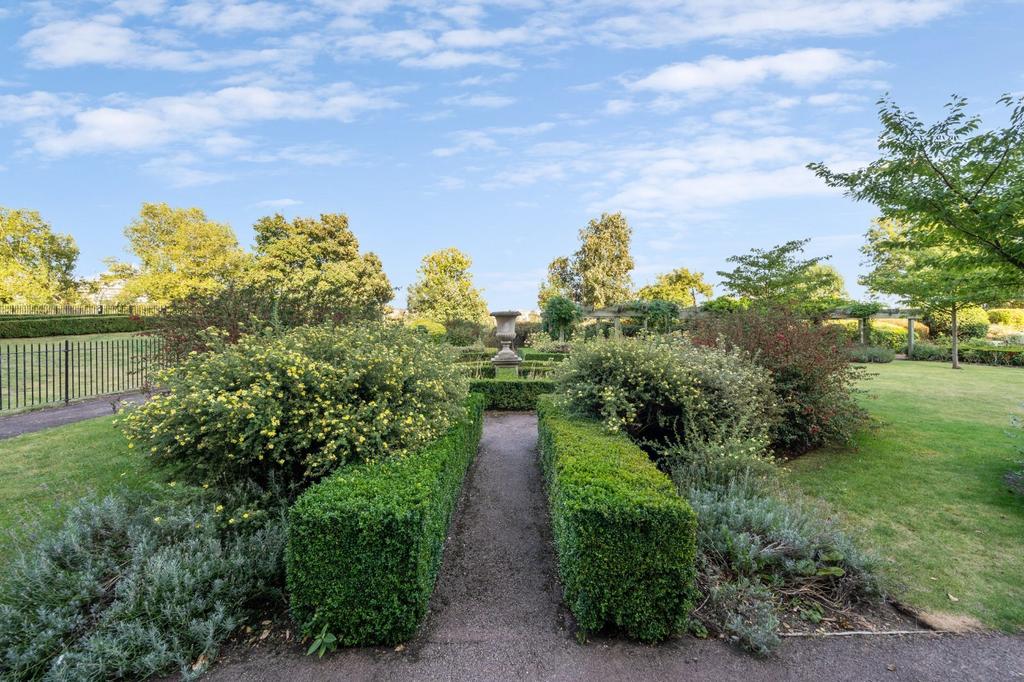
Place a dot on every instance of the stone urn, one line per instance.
(506, 359)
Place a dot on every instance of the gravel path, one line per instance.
(46, 417)
(497, 614)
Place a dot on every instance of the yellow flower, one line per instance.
(219, 508)
(157, 519)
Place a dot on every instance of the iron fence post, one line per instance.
(67, 371)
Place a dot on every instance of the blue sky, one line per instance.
(497, 127)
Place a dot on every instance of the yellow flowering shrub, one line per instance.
(291, 407)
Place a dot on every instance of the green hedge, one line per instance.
(364, 546)
(1011, 356)
(626, 540)
(17, 328)
(508, 394)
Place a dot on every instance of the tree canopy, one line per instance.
(680, 286)
(560, 317)
(180, 252)
(925, 277)
(779, 277)
(445, 291)
(314, 263)
(597, 275)
(36, 264)
(948, 184)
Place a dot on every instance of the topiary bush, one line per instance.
(519, 395)
(434, 330)
(364, 546)
(887, 335)
(972, 322)
(625, 538)
(664, 388)
(813, 382)
(293, 407)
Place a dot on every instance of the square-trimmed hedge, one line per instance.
(17, 328)
(626, 540)
(511, 394)
(364, 546)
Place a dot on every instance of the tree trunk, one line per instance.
(955, 332)
(561, 335)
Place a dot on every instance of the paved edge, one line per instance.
(47, 417)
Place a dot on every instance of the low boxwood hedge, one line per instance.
(626, 540)
(17, 328)
(505, 394)
(364, 546)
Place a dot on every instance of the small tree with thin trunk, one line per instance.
(560, 317)
(931, 278)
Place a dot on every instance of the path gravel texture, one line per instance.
(497, 614)
(47, 417)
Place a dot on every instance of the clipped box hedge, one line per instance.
(511, 394)
(626, 540)
(364, 546)
(18, 328)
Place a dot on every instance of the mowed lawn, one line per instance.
(924, 487)
(42, 472)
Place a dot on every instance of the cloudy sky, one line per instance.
(497, 127)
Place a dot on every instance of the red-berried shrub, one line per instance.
(813, 379)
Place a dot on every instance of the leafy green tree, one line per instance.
(180, 252)
(562, 281)
(779, 277)
(930, 278)
(679, 286)
(315, 263)
(36, 264)
(560, 317)
(445, 290)
(597, 275)
(603, 262)
(950, 185)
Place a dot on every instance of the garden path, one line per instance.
(497, 614)
(46, 417)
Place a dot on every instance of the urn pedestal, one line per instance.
(506, 362)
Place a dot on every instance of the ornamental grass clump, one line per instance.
(664, 389)
(287, 409)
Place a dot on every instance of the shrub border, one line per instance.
(513, 395)
(365, 545)
(626, 540)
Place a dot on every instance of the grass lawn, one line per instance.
(41, 471)
(924, 487)
(78, 337)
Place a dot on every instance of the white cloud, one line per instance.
(450, 183)
(34, 106)
(277, 203)
(676, 22)
(226, 16)
(721, 74)
(454, 59)
(474, 38)
(482, 101)
(179, 171)
(155, 122)
(389, 44)
(106, 41)
(466, 140)
(616, 107)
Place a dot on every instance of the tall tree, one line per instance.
(603, 262)
(929, 277)
(949, 184)
(180, 252)
(36, 264)
(562, 281)
(445, 291)
(597, 275)
(315, 264)
(680, 286)
(779, 277)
